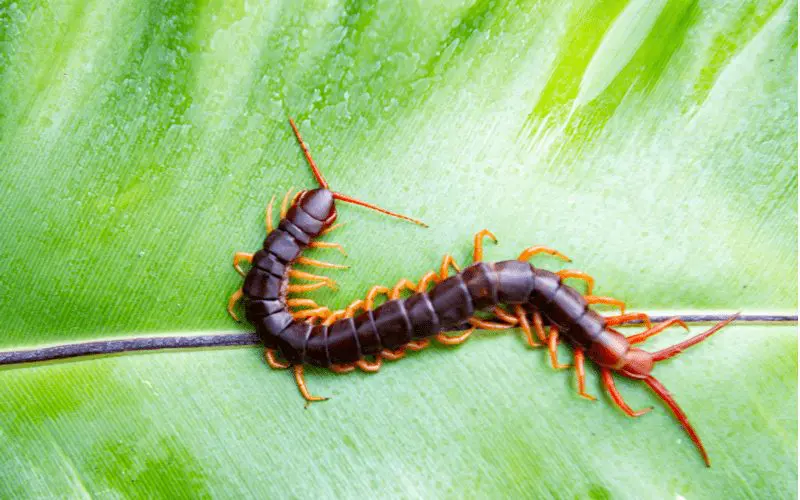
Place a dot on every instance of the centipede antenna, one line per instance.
(664, 394)
(322, 182)
(348, 199)
(339, 196)
(676, 349)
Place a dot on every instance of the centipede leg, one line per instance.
(332, 228)
(369, 302)
(651, 332)
(529, 252)
(334, 317)
(447, 262)
(505, 316)
(629, 318)
(318, 263)
(403, 283)
(538, 326)
(305, 288)
(477, 252)
(370, 366)
(476, 322)
(665, 396)
(487, 325)
(320, 312)
(237, 295)
(608, 301)
(571, 273)
(301, 384)
(240, 257)
(552, 346)
(339, 368)
(522, 318)
(302, 275)
(608, 382)
(429, 277)
(350, 310)
(580, 370)
(268, 215)
(272, 360)
(285, 202)
(290, 303)
(328, 244)
(418, 345)
(393, 355)
(445, 339)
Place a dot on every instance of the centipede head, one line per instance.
(638, 364)
(318, 203)
(322, 198)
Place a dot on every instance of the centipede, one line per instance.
(446, 304)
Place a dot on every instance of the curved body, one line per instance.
(343, 339)
(397, 322)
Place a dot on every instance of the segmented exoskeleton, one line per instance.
(439, 303)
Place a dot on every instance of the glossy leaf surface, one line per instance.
(652, 142)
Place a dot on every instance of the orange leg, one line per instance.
(301, 384)
(608, 382)
(373, 293)
(268, 215)
(505, 315)
(327, 244)
(320, 312)
(529, 252)
(487, 325)
(627, 318)
(418, 345)
(526, 327)
(305, 288)
(552, 346)
(238, 258)
(570, 273)
(237, 295)
(370, 366)
(425, 281)
(313, 320)
(447, 262)
(334, 316)
(641, 337)
(444, 339)
(332, 228)
(302, 275)
(580, 370)
(285, 202)
(403, 283)
(608, 301)
(295, 197)
(342, 368)
(477, 252)
(272, 360)
(318, 263)
(354, 306)
(394, 355)
(302, 303)
(538, 326)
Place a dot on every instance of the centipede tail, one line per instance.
(664, 394)
(363, 335)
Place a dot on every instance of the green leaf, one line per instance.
(652, 142)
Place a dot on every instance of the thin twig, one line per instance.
(115, 346)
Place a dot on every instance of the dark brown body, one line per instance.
(395, 323)
(390, 328)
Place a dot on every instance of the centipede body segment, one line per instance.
(442, 306)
